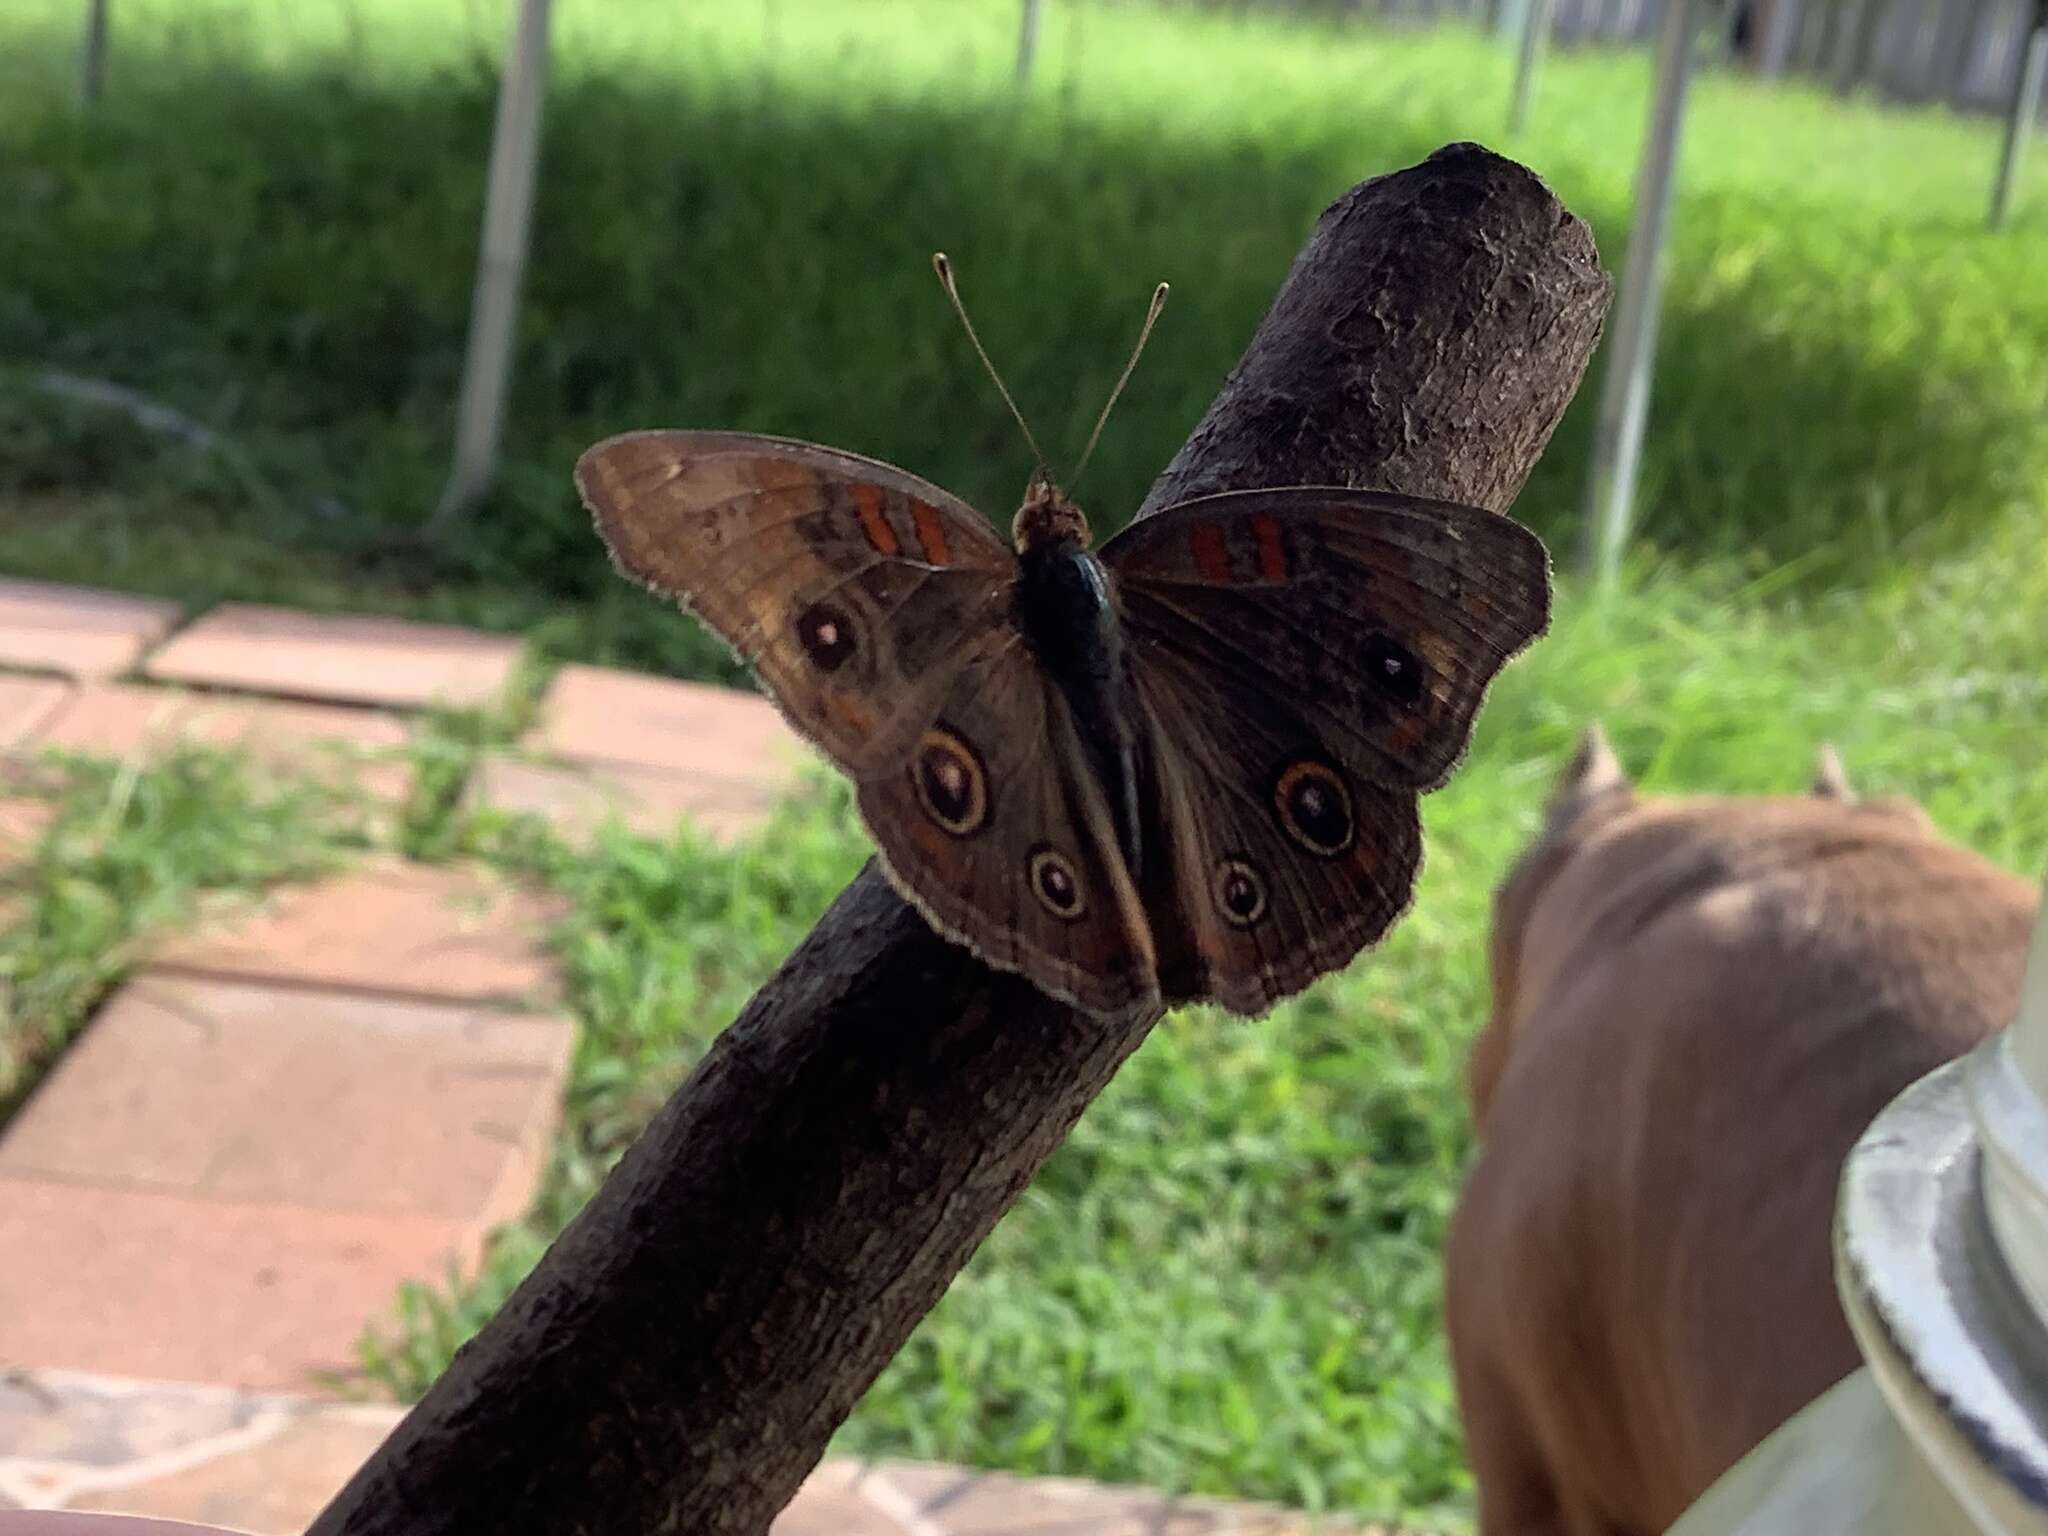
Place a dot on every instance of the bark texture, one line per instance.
(682, 1354)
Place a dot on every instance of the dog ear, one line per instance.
(1830, 781)
(1593, 774)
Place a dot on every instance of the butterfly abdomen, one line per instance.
(1067, 616)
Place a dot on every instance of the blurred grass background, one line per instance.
(1227, 1281)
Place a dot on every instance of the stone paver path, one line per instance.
(225, 1180)
(577, 799)
(112, 1279)
(76, 631)
(267, 1463)
(592, 713)
(250, 1093)
(26, 703)
(646, 751)
(126, 720)
(312, 1098)
(21, 827)
(388, 926)
(300, 693)
(325, 656)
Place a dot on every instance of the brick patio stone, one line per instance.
(834, 1501)
(254, 1460)
(77, 630)
(255, 1093)
(962, 1501)
(596, 714)
(577, 799)
(22, 823)
(274, 1486)
(268, 1463)
(84, 1423)
(356, 659)
(135, 1283)
(27, 703)
(389, 926)
(127, 720)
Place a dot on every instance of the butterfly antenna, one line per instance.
(945, 270)
(1144, 335)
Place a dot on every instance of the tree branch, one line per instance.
(683, 1353)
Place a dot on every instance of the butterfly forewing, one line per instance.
(854, 589)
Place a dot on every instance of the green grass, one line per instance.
(1227, 1280)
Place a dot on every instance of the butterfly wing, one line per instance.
(1277, 864)
(855, 590)
(877, 611)
(1304, 663)
(1386, 617)
(997, 831)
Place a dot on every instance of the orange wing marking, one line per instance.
(1212, 559)
(867, 500)
(931, 533)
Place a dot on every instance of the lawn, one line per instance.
(1228, 1279)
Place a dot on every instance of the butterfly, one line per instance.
(1182, 767)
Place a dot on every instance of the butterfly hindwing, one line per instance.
(1384, 617)
(1278, 860)
(854, 589)
(997, 831)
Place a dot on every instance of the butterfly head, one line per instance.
(1048, 518)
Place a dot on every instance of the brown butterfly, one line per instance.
(1183, 767)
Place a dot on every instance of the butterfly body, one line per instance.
(1182, 767)
(1065, 608)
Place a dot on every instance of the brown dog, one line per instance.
(1698, 1006)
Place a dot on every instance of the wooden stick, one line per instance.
(682, 1354)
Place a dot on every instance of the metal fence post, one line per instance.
(1968, 60)
(1027, 37)
(1955, 28)
(1632, 343)
(501, 262)
(1778, 24)
(1536, 19)
(1859, 44)
(2025, 108)
(93, 70)
(1823, 38)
